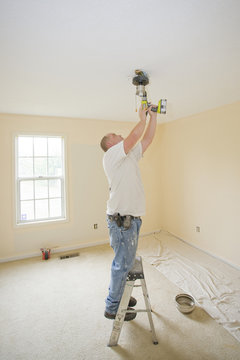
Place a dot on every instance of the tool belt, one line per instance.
(124, 221)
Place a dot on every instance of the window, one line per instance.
(40, 178)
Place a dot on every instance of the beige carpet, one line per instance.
(52, 310)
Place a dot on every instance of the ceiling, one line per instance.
(77, 58)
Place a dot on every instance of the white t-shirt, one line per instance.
(125, 184)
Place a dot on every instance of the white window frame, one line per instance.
(18, 179)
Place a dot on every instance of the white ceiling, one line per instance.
(77, 58)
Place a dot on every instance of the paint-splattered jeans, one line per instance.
(124, 243)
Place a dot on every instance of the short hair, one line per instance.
(103, 143)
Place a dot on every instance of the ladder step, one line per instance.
(137, 270)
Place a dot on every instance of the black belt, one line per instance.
(124, 220)
(113, 217)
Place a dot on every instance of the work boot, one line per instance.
(128, 316)
(132, 302)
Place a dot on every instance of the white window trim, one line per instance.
(16, 182)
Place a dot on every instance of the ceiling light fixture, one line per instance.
(140, 81)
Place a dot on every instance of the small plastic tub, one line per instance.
(185, 303)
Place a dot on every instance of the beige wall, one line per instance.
(191, 176)
(87, 185)
(199, 168)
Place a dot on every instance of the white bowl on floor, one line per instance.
(185, 303)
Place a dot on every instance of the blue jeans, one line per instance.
(124, 243)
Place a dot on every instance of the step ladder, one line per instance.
(136, 273)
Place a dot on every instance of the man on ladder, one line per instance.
(126, 203)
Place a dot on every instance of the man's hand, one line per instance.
(143, 113)
(153, 115)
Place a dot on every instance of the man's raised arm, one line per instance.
(150, 132)
(137, 131)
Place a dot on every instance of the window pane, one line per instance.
(40, 166)
(40, 178)
(40, 146)
(41, 209)
(55, 166)
(25, 167)
(55, 188)
(41, 189)
(26, 190)
(25, 146)
(55, 207)
(27, 210)
(54, 146)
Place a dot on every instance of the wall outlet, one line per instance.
(95, 226)
(198, 229)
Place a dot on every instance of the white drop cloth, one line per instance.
(214, 284)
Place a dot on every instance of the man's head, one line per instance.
(109, 140)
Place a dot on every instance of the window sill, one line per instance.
(41, 223)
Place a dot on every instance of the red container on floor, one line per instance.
(46, 254)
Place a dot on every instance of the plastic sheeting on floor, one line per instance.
(214, 284)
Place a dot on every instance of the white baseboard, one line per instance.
(53, 251)
(20, 257)
(61, 249)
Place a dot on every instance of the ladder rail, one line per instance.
(118, 322)
(149, 310)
